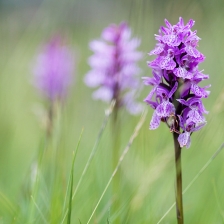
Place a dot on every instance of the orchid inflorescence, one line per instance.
(53, 70)
(114, 67)
(178, 97)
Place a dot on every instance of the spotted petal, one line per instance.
(171, 40)
(165, 109)
(155, 121)
(194, 116)
(166, 62)
(192, 51)
(184, 139)
(199, 127)
(157, 50)
(200, 92)
(182, 73)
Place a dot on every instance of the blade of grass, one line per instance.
(194, 179)
(41, 214)
(94, 149)
(106, 118)
(7, 204)
(134, 135)
(40, 154)
(71, 180)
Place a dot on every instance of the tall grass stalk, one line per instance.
(53, 167)
(94, 149)
(7, 204)
(194, 179)
(52, 138)
(39, 210)
(115, 157)
(125, 151)
(70, 183)
(34, 191)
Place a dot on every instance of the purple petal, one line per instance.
(168, 24)
(200, 75)
(162, 91)
(179, 72)
(100, 61)
(184, 139)
(165, 62)
(194, 116)
(165, 109)
(182, 101)
(100, 47)
(153, 81)
(132, 44)
(192, 51)
(200, 92)
(109, 33)
(149, 97)
(173, 90)
(181, 122)
(94, 78)
(125, 32)
(181, 21)
(53, 69)
(154, 64)
(164, 30)
(133, 56)
(188, 143)
(171, 40)
(190, 23)
(104, 94)
(202, 108)
(151, 104)
(157, 50)
(197, 128)
(155, 121)
(182, 73)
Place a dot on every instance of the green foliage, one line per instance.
(37, 192)
(71, 183)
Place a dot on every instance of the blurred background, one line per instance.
(147, 172)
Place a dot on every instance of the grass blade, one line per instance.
(7, 204)
(41, 214)
(105, 121)
(71, 181)
(134, 135)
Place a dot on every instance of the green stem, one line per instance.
(179, 201)
(115, 154)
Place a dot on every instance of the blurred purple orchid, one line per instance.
(175, 81)
(114, 67)
(54, 69)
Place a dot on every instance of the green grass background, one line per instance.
(147, 172)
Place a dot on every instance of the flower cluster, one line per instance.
(175, 81)
(53, 69)
(114, 67)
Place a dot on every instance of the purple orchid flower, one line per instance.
(176, 96)
(114, 67)
(53, 69)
